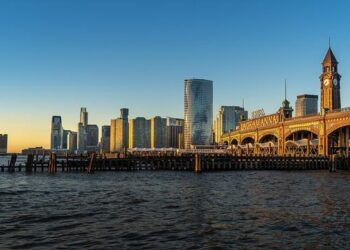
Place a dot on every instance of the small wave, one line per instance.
(136, 201)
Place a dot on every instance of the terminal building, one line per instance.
(326, 133)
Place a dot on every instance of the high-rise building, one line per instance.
(3, 143)
(139, 133)
(198, 102)
(124, 113)
(306, 105)
(105, 139)
(87, 134)
(91, 138)
(72, 141)
(56, 132)
(227, 119)
(175, 132)
(158, 132)
(64, 139)
(82, 137)
(119, 139)
(84, 116)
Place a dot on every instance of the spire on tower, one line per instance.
(285, 89)
(329, 57)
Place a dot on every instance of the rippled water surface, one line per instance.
(176, 210)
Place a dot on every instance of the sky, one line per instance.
(58, 56)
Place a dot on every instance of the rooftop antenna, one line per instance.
(329, 41)
(243, 103)
(285, 89)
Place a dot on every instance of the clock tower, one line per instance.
(330, 83)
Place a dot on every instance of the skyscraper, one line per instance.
(87, 134)
(84, 116)
(306, 105)
(227, 119)
(158, 132)
(105, 139)
(3, 143)
(56, 132)
(120, 132)
(198, 102)
(82, 137)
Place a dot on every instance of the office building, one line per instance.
(56, 133)
(306, 105)
(227, 119)
(91, 138)
(87, 134)
(158, 132)
(105, 139)
(84, 116)
(64, 139)
(82, 137)
(119, 139)
(198, 107)
(3, 143)
(72, 141)
(175, 132)
(139, 133)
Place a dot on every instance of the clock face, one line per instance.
(326, 82)
(335, 82)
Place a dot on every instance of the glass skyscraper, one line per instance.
(198, 112)
(56, 132)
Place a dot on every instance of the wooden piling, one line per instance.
(197, 164)
(29, 163)
(90, 169)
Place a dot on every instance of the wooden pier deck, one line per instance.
(196, 163)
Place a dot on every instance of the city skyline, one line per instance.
(38, 83)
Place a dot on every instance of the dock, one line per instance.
(192, 162)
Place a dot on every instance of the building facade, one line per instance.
(56, 133)
(198, 107)
(84, 116)
(139, 133)
(72, 141)
(306, 105)
(330, 83)
(119, 140)
(158, 132)
(3, 143)
(227, 119)
(105, 139)
(91, 138)
(175, 132)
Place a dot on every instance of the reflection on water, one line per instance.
(176, 210)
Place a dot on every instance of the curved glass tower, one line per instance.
(198, 112)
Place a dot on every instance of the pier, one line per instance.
(192, 162)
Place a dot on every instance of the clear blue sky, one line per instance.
(56, 56)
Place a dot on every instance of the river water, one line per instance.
(176, 210)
